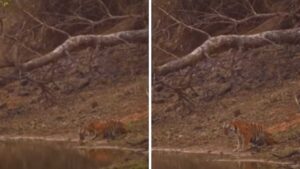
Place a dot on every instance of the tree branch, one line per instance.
(224, 42)
(246, 19)
(46, 25)
(183, 24)
(86, 40)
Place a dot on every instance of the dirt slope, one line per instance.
(90, 83)
(258, 85)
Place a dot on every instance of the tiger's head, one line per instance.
(229, 128)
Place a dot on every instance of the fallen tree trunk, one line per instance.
(224, 42)
(134, 36)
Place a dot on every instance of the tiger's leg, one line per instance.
(238, 144)
(114, 134)
(82, 134)
(243, 141)
(95, 135)
(246, 142)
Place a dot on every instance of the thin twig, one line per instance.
(107, 11)
(218, 15)
(165, 51)
(23, 45)
(251, 7)
(183, 24)
(46, 25)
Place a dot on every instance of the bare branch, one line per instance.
(107, 11)
(95, 23)
(183, 24)
(165, 51)
(46, 25)
(225, 42)
(86, 40)
(92, 23)
(218, 15)
(251, 7)
(23, 45)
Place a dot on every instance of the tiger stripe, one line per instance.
(248, 134)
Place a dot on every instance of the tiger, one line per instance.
(247, 133)
(107, 129)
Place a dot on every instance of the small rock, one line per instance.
(43, 125)
(223, 89)
(236, 113)
(23, 82)
(10, 90)
(169, 108)
(198, 128)
(67, 90)
(158, 88)
(158, 101)
(33, 124)
(94, 104)
(3, 105)
(23, 93)
(59, 118)
(83, 83)
(13, 112)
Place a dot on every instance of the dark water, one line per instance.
(173, 160)
(33, 155)
(107, 157)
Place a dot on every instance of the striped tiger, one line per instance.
(252, 134)
(107, 129)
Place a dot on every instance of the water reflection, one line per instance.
(106, 157)
(40, 155)
(28, 155)
(163, 160)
